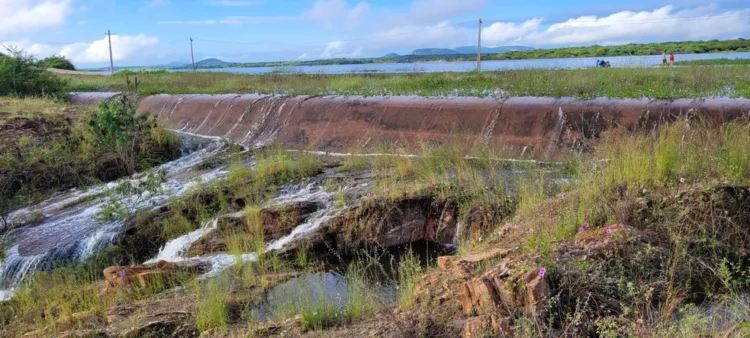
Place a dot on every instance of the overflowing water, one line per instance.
(175, 250)
(67, 228)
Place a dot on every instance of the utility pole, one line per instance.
(111, 63)
(191, 53)
(479, 47)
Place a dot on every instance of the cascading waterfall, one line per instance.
(174, 250)
(68, 229)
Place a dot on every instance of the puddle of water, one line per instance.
(302, 292)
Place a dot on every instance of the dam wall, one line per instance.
(537, 126)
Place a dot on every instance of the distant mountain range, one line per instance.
(213, 62)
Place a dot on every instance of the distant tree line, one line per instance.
(685, 47)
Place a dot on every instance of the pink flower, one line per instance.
(609, 231)
(507, 225)
(680, 171)
(387, 190)
(585, 216)
(561, 196)
(682, 180)
(531, 231)
(536, 181)
(580, 230)
(586, 225)
(515, 226)
(542, 272)
(369, 195)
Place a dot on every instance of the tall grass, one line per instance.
(211, 305)
(409, 272)
(668, 82)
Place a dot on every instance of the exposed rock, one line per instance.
(487, 326)
(502, 289)
(172, 317)
(278, 221)
(390, 223)
(140, 275)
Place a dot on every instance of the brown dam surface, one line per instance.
(537, 126)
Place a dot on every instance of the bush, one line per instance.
(22, 75)
(58, 62)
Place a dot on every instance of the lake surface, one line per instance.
(465, 66)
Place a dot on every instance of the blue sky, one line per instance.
(151, 32)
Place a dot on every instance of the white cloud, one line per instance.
(124, 47)
(665, 23)
(442, 34)
(235, 3)
(233, 20)
(505, 32)
(330, 13)
(19, 16)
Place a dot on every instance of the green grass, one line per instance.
(715, 62)
(409, 272)
(667, 82)
(211, 306)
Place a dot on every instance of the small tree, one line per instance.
(22, 75)
(58, 62)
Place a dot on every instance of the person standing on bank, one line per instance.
(671, 59)
(664, 58)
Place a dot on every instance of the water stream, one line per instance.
(67, 229)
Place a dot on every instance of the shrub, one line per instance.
(58, 62)
(22, 75)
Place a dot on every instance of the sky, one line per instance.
(156, 32)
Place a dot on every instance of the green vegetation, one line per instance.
(53, 147)
(666, 83)
(683, 47)
(212, 306)
(22, 75)
(58, 62)
(714, 62)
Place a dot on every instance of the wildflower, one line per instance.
(369, 195)
(507, 225)
(515, 226)
(589, 211)
(682, 180)
(585, 216)
(536, 181)
(609, 231)
(387, 190)
(644, 190)
(586, 225)
(580, 230)
(542, 272)
(531, 231)
(453, 175)
(680, 172)
(562, 196)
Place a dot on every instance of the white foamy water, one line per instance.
(175, 249)
(68, 229)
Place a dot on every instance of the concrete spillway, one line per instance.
(543, 127)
